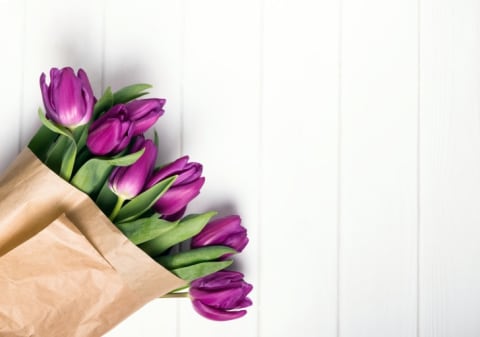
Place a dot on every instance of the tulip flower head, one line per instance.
(112, 132)
(144, 113)
(127, 182)
(226, 231)
(218, 296)
(69, 98)
(187, 186)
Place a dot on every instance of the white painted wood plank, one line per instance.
(143, 44)
(298, 289)
(378, 257)
(11, 39)
(450, 168)
(221, 130)
(59, 34)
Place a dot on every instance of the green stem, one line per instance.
(117, 208)
(176, 295)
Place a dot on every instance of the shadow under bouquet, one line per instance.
(92, 229)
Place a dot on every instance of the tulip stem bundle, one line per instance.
(99, 146)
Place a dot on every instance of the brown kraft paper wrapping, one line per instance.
(66, 270)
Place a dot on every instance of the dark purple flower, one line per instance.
(111, 133)
(226, 231)
(144, 113)
(69, 98)
(219, 295)
(127, 182)
(187, 186)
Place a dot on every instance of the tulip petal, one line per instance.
(226, 231)
(219, 280)
(216, 314)
(46, 96)
(168, 170)
(178, 197)
(127, 182)
(222, 299)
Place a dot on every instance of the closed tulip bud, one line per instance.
(127, 182)
(226, 231)
(144, 113)
(111, 133)
(69, 98)
(187, 186)
(218, 296)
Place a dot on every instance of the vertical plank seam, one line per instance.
(418, 304)
(261, 80)
(182, 38)
(339, 168)
(21, 87)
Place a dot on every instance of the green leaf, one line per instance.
(131, 92)
(106, 199)
(194, 256)
(142, 202)
(198, 270)
(61, 130)
(93, 173)
(54, 158)
(155, 138)
(104, 103)
(42, 141)
(188, 227)
(145, 229)
(68, 160)
(80, 134)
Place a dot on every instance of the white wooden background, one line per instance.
(345, 132)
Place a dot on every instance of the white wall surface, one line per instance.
(345, 132)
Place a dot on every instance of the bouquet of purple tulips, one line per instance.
(99, 147)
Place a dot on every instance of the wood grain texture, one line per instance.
(450, 168)
(378, 225)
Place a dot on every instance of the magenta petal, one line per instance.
(103, 139)
(216, 314)
(219, 280)
(144, 113)
(191, 172)
(178, 197)
(226, 231)
(222, 299)
(168, 170)
(175, 216)
(45, 96)
(111, 133)
(127, 182)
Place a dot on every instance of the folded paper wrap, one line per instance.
(65, 269)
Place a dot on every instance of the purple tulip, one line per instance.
(187, 186)
(127, 182)
(226, 231)
(218, 295)
(111, 133)
(68, 99)
(144, 113)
